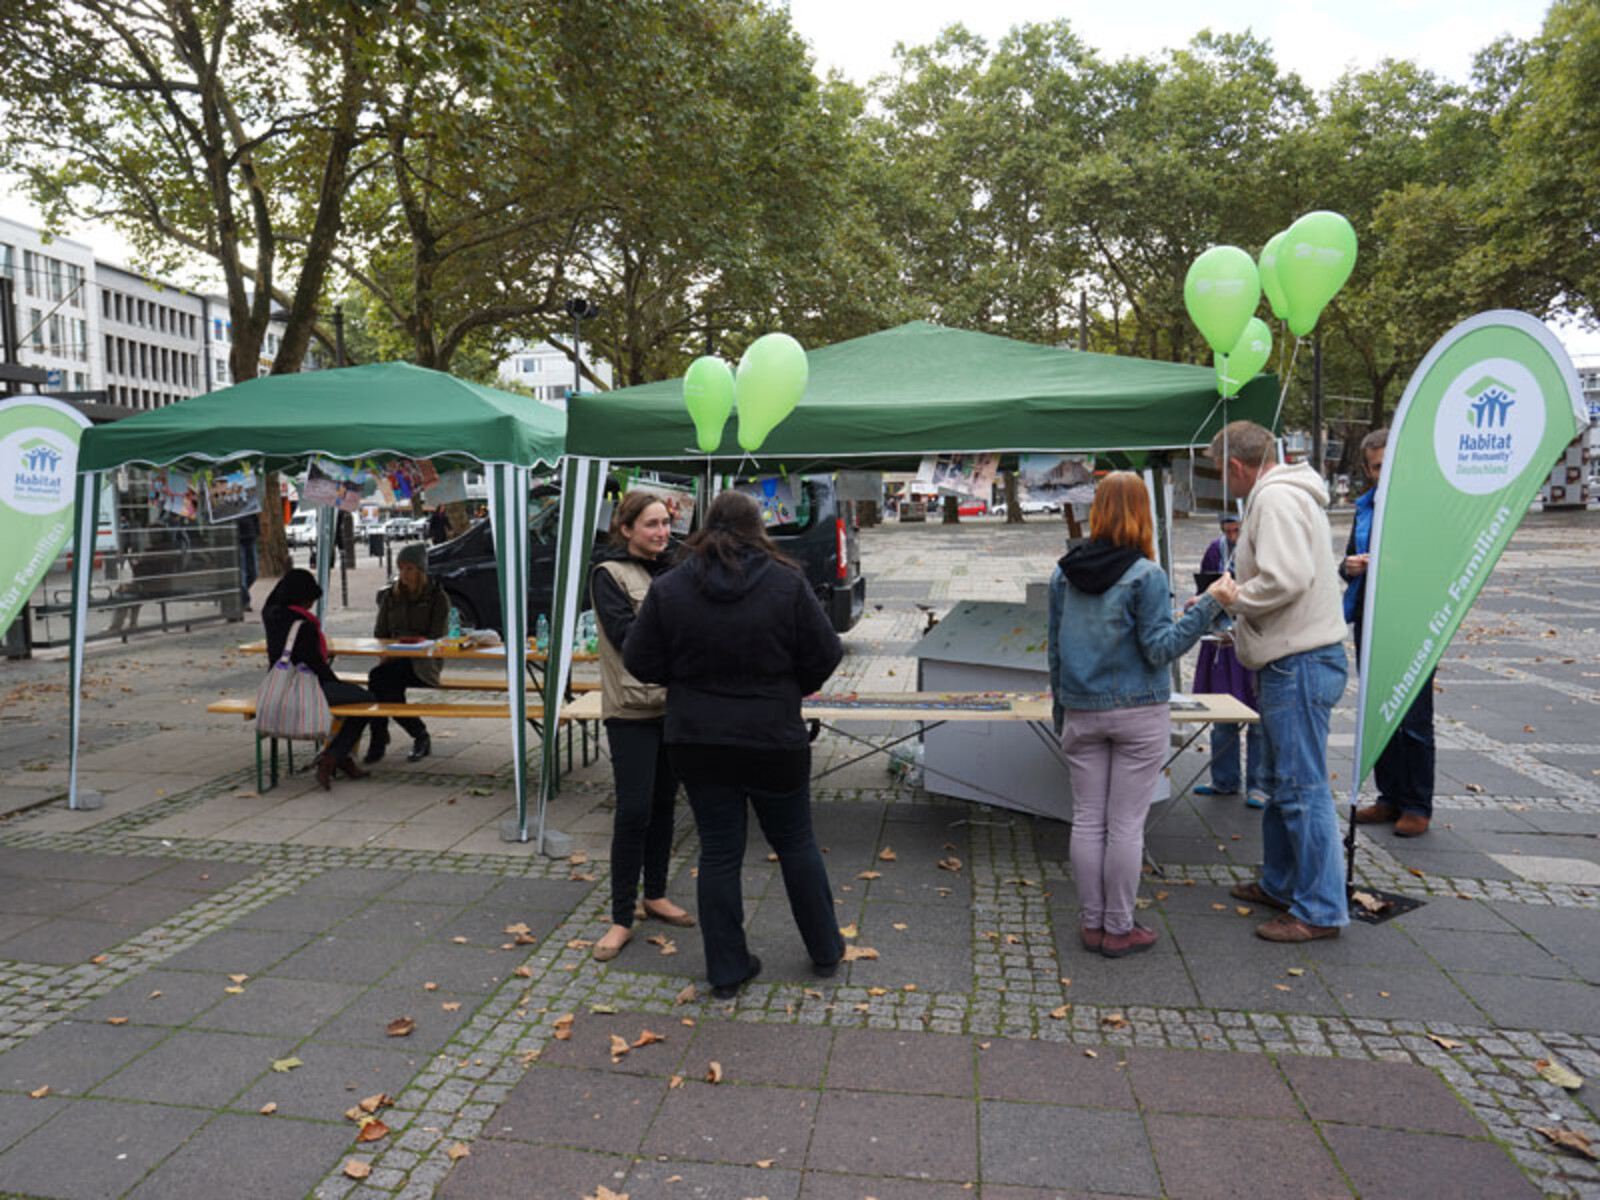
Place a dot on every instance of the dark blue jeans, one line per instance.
(724, 783)
(1404, 771)
(1302, 863)
(641, 832)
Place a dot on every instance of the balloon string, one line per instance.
(1288, 376)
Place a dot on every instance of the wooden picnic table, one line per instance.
(370, 647)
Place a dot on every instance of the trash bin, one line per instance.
(375, 545)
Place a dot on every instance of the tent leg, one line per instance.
(86, 510)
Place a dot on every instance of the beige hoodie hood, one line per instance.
(1288, 585)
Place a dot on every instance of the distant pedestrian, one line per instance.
(1218, 671)
(1290, 630)
(439, 526)
(1404, 771)
(1111, 640)
(249, 534)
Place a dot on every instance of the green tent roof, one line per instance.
(351, 412)
(924, 389)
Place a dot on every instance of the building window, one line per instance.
(74, 285)
(30, 273)
(8, 261)
(57, 282)
(530, 366)
(58, 336)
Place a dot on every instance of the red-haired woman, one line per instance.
(634, 714)
(1111, 639)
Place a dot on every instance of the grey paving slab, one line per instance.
(183, 995)
(278, 1006)
(30, 896)
(137, 904)
(203, 1069)
(347, 957)
(709, 1181)
(1388, 1165)
(918, 1137)
(1452, 864)
(229, 951)
(1513, 1003)
(305, 914)
(499, 1168)
(484, 925)
(1497, 953)
(200, 875)
(352, 881)
(539, 895)
(21, 1114)
(333, 1077)
(821, 1185)
(248, 1155)
(590, 1044)
(1363, 945)
(1151, 977)
(1257, 988)
(1450, 912)
(72, 1056)
(1208, 1084)
(1053, 1073)
(104, 869)
(751, 1053)
(931, 966)
(883, 1060)
(1043, 1145)
(12, 924)
(365, 1022)
(96, 1148)
(473, 970)
(1387, 1094)
(1214, 1158)
(458, 889)
(1572, 933)
(63, 940)
(923, 922)
(734, 1124)
(590, 1110)
(1414, 993)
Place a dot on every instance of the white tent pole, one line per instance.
(326, 518)
(87, 512)
(508, 515)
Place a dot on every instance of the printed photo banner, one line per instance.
(775, 495)
(38, 470)
(1490, 409)
(233, 495)
(1056, 478)
(173, 491)
(331, 484)
(958, 475)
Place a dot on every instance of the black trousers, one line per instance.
(724, 783)
(641, 833)
(388, 682)
(1404, 771)
(339, 692)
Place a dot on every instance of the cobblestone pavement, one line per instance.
(199, 982)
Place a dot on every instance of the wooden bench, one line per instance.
(582, 716)
(478, 681)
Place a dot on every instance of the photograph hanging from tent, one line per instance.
(775, 496)
(332, 484)
(233, 495)
(1056, 478)
(958, 474)
(174, 491)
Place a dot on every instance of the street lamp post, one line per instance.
(580, 309)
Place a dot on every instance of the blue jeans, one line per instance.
(1301, 859)
(1225, 759)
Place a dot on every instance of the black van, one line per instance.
(823, 540)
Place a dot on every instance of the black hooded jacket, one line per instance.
(1094, 566)
(737, 650)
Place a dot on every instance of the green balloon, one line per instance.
(708, 395)
(1221, 292)
(1317, 256)
(772, 378)
(1244, 362)
(1268, 264)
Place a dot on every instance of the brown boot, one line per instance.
(1376, 814)
(325, 769)
(1411, 824)
(1287, 928)
(348, 766)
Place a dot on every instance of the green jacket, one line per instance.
(425, 615)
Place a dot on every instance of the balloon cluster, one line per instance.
(772, 378)
(1300, 269)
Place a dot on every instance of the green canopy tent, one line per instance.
(385, 410)
(886, 400)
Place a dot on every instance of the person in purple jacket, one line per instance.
(1218, 671)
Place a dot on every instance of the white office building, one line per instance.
(546, 371)
(56, 316)
(152, 340)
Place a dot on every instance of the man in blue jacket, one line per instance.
(1404, 771)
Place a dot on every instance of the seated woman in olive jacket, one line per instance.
(412, 608)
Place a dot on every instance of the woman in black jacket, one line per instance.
(292, 601)
(737, 637)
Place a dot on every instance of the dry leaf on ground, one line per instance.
(1556, 1073)
(1114, 1021)
(950, 863)
(1369, 902)
(604, 1193)
(1061, 1013)
(714, 1072)
(1568, 1139)
(523, 972)
(372, 1130)
(354, 1168)
(851, 930)
(267, 1109)
(887, 855)
(563, 1027)
(450, 1005)
(400, 1027)
(39, 1093)
(578, 857)
(851, 953)
(870, 875)
(675, 1082)
(286, 1064)
(457, 1151)
(116, 1020)
(619, 1047)
(648, 1037)
(1445, 1043)
(686, 996)
(373, 1103)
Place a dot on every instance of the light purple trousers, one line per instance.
(1115, 757)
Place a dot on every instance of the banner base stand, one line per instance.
(87, 801)
(556, 843)
(1372, 907)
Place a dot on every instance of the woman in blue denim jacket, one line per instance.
(1111, 639)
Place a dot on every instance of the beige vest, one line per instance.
(622, 696)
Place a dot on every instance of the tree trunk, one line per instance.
(868, 514)
(1013, 508)
(952, 510)
(272, 548)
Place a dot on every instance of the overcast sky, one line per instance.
(1319, 39)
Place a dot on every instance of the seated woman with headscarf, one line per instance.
(292, 601)
(412, 608)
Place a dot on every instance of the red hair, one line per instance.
(1121, 513)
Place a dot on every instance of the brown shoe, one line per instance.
(325, 769)
(1411, 824)
(1376, 814)
(1286, 928)
(1120, 945)
(1092, 939)
(348, 766)
(1254, 893)
(609, 946)
(682, 918)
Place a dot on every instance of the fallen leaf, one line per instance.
(952, 863)
(1244, 910)
(714, 1072)
(458, 1151)
(286, 1064)
(887, 855)
(900, 927)
(1283, 987)
(430, 987)
(603, 1010)
(267, 1109)
(686, 996)
(1114, 1021)
(870, 875)
(579, 944)
(523, 972)
(235, 990)
(1528, 729)
(877, 991)
(1060, 1014)
(1369, 902)
(1474, 787)
(849, 930)
(400, 1027)
(852, 953)
(1091, 1054)
(354, 1168)
(1445, 1043)
(1418, 872)
(116, 1020)
(1297, 971)
(374, 1102)
(1567, 1139)
(675, 1082)
(648, 1037)
(519, 928)
(604, 1193)
(1561, 1076)
(772, 857)
(1220, 907)
(372, 1130)
(155, 995)
(39, 1093)
(765, 1163)
(619, 1047)
(460, 941)
(578, 857)
(238, 978)
(563, 1027)
(450, 1005)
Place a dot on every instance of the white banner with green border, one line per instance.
(38, 466)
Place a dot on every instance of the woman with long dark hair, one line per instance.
(290, 601)
(635, 716)
(737, 637)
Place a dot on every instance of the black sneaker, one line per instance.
(375, 750)
(728, 991)
(420, 749)
(825, 970)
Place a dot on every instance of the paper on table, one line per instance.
(1183, 702)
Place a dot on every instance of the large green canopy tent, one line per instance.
(888, 399)
(385, 410)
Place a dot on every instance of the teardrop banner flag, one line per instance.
(38, 470)
(1490, 409)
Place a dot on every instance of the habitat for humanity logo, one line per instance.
(36, 469)
(1489, 425)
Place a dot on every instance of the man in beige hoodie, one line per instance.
(1290, 631)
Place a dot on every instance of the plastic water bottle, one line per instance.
(455, 624)
(588, 633)
(541, 635)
